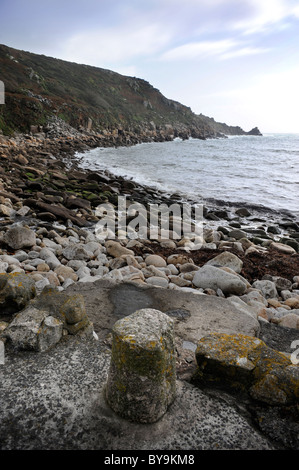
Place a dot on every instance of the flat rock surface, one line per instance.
(196, 315)
(55, 401)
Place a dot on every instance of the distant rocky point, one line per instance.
(254, 131)
(40, 90)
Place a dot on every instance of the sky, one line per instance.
(234, 60)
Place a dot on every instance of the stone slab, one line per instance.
(106, 302)
(55, 401)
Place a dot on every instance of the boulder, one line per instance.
(177, 259)
(210, 277)
(157, 281)
(6, 211)
(267, 288)
(76, 251)
(247, 365)
(3, 267)
(117, 250)
(16, 291)
(291, 320)
(227, 259)
(237, 234)
(282, 284)
(69, 309)
(19, 237)
(281, 247)
(61, 213)
(66, 272)
(243, 212)
(142, 378)
(49, 257)
(155, 260)
(34, 329)
(292, 302)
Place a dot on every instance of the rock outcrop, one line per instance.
(44, 319)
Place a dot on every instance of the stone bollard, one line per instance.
(142, 378)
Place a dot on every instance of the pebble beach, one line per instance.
(48, 222)
(48, 230)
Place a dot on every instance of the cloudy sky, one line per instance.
(234, 60)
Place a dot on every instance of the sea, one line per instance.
(260, 172)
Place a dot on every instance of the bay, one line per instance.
(257, 171)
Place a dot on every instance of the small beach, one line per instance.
(244, 267)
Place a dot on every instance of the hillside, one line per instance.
(92, 99)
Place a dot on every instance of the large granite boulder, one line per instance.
(210, 277)
(228, 260)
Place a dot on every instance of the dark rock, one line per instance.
(273, 229)
(212, 216)
(255, 131)
(224, 230)
(98, 178)
(47, 216)
(35, 185)
(278, 337)
(282, 284)
(289, 225)
(16, 291)
(243, 212)
(76, 202)
(222, 214)
(62, 213)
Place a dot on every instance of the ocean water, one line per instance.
(247, 170)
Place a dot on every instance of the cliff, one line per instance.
(40, 89)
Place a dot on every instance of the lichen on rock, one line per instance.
(246, 364)
(142, 378)
(16, 291)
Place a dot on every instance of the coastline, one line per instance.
(44, 174)
(43, 189)
(207, 184)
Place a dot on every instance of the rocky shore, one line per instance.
(244, 268)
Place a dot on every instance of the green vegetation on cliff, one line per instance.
(39, 87)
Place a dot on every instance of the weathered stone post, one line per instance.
(142, 378)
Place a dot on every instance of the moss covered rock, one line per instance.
(16, 291)
(246, 364)
(142, 378)
(68, 308)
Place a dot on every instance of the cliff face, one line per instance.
(40, 88)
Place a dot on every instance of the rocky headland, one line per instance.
(99, 102)
(233, 296)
